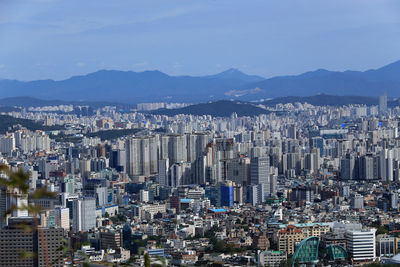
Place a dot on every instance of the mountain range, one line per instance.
(358, 83)
(135, 87)
(8, 122)
(327, 100)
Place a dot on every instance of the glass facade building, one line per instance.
(226, 196)
(306, 252)
(336, 252)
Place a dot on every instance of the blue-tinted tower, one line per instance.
(226, 195)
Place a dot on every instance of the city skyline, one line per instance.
(200, 133)
(269, 186)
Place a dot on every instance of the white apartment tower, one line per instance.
(84, 214)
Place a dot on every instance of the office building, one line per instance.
(385, 246)
(227, 194)
(271, 258)
(361, 245)
(110, 240)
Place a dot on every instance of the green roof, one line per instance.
(275, 251)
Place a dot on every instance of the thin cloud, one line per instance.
(117, 27)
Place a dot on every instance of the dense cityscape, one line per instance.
(212, 133)
(299, 185)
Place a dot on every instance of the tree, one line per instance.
(162, 260)
(147, 260)
(114, 219)
(18, 183)
(286, 263)
(121, 217)
(382, 230)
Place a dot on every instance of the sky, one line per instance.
(56, 39)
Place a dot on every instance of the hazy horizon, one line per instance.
(203, 75)
(57, 39)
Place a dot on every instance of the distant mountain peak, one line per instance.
(236, 74)
(231, 71)
(315, 73)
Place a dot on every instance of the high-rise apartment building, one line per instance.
(142, 155)
(259, 175)
(180, 174)
(44, 243)
(196, 144)
(7, 144)
(259, 170)
(347, 171)
(163, 172)
(292, 131)
(144, 195)
(84, 214)
(62, 217)
(383, 104)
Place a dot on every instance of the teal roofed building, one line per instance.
(336, 252)
(307, 252)
(217, 210)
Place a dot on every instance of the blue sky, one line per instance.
(56, 39)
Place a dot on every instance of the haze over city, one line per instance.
(200, 133)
